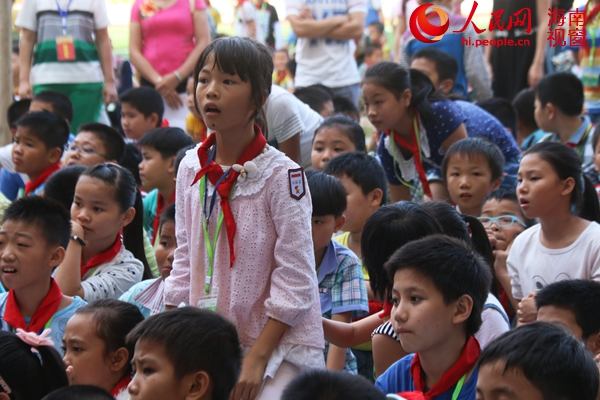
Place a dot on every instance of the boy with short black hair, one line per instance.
(38, 147)
(195, 352)
(342, 290)
(472, 169)
(558, 108)
(328, 385)
(33, 237)
(592, 170)
(573, 304)
(364, 180)
(142, 109)
(537, 361)
(157, 172)
(95, 143)
(440, 285)
(54, 102)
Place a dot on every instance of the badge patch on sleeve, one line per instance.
(297, 184)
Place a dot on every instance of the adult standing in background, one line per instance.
(327, 31)
(268, 22)
(64, 47)
(166, 38)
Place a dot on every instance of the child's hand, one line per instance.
(77, 229)
(250, 380)
(527, 311)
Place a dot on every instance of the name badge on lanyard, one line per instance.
(65, 46)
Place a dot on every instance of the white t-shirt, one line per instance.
(532, 266)
(244, 14)
(286, 116)
(84, 18)
(326, 61)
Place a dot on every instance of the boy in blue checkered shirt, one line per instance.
(342, 289)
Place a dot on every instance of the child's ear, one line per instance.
(568, 186)
(119, 359)
(375, 197)
(54, 155)
(406, 97)
(551, 110)
(128, 216)
(154, 119)
(57, 256)
(171, 163)
(198, 386)
(446, 86)
(463, 309)
(496, 183)
(593, 343)
(339, 222)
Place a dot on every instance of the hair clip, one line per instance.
(4, 386)
(35, 340)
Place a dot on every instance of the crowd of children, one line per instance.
(455, 257)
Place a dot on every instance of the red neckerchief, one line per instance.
(103, 256)
(160, 205)
(43, 313)
(280, 76)
(120, 386)
(465, 363)
(32, 185)
(387, 310)
(411, 145)
(214, 171)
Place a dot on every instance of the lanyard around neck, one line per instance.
(63, 13)
(209, 243)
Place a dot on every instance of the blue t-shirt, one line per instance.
(445, 118)
(10, 183)
(480, 123)
(57, 323)
(398, 378)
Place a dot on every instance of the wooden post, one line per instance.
(6, 84)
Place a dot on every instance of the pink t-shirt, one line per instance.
(167, 34)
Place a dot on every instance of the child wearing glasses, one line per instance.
(503, 220)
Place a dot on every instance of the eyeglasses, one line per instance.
(502, 221)
(83, 149)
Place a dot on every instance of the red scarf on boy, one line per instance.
(465, 363)
(102, 257)
(44, 312)
(214, 172)
(32, 185)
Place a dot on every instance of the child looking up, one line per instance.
(96, 352)
(558, 109)
(95, 144)
(472, 169)
(563, 245)
(183, 354)
(38, 147)
(573, 304)
(519, 365)
(29, 369)
(148, 294)
(440, 286)
(142, 109)
(342, 290)
(336, 135)
(106, 254)
(418, 127)
(33, 238)
(157, 172)
(258, 270)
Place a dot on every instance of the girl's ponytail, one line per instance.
(133, 235)
(590, 209)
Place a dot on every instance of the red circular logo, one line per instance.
(420, 24)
